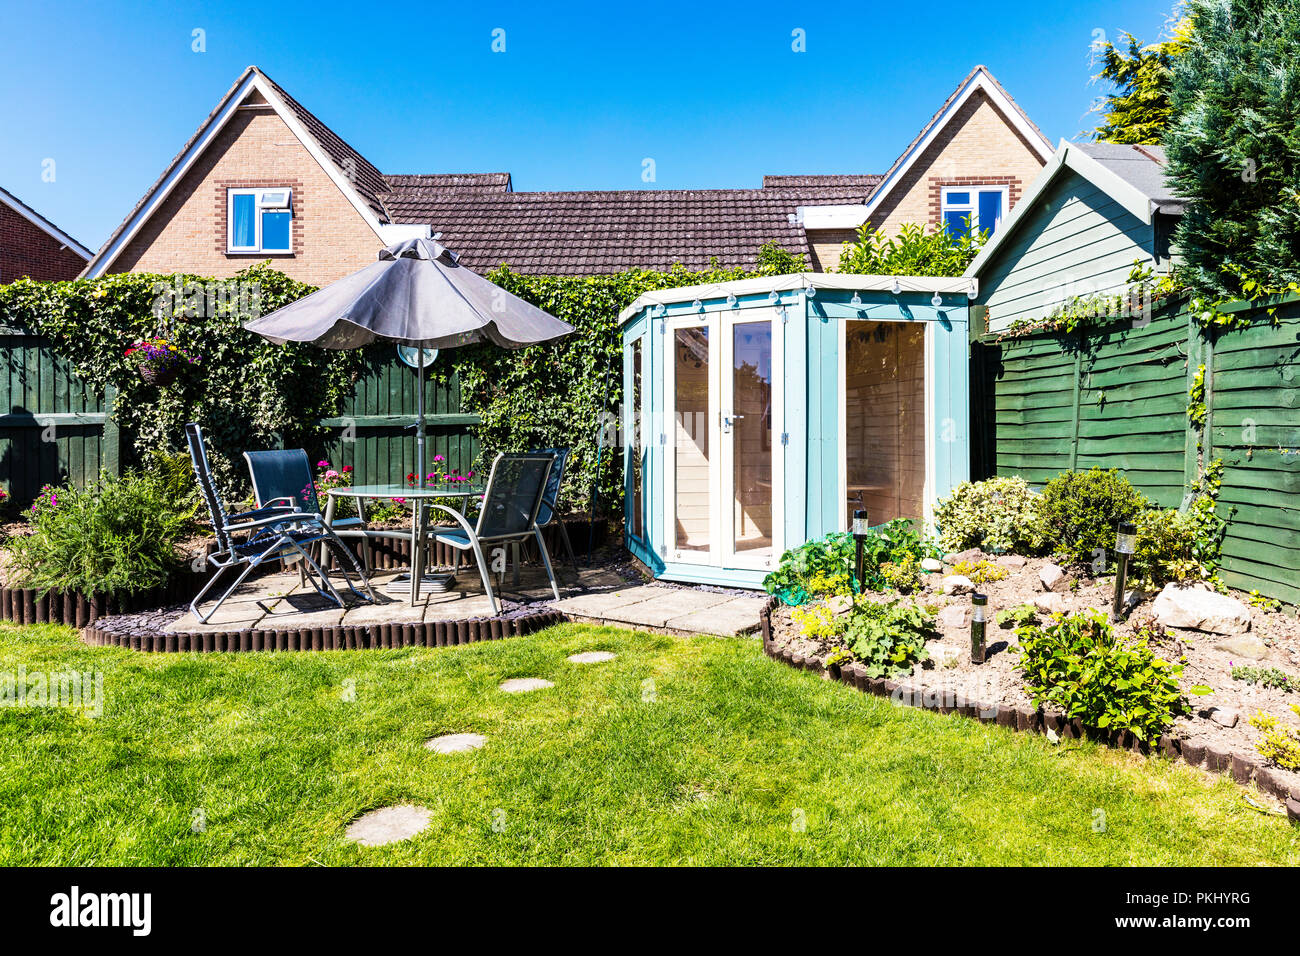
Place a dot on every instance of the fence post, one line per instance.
(112, 457)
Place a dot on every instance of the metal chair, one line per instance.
(546, 515)
(508, 516)
(285, 475)
(275, 531)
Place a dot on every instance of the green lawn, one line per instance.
(716, 762)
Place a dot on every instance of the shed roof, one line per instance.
(1142, 167)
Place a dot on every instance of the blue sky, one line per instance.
(581, 95)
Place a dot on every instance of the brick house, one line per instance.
(32, 246)
(264, 178)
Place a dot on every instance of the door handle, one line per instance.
(729, 420)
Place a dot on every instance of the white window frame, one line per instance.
(261, 203)
(972, 208)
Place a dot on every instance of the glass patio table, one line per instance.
(419, 519)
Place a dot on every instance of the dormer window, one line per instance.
(259, 220)
(971, 208)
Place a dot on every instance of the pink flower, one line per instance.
(331, 473)
(322, 464)
(438, 458)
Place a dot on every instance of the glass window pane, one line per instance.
(884, 419)
(958, 199)
(275, 231)
(243, 208)
(751, 404)
(990, 210)
(691, 478)
(638, 462)
(957, 223)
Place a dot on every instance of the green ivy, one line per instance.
(244, 390)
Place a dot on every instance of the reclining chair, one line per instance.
(275, 531)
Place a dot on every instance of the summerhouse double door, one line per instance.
(723, 448)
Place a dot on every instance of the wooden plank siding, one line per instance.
(1116, 397)
(53, 427)
(1077, 241)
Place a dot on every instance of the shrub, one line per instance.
(981, 572)
(1077, 664)
(912, 251)
(1279, 744)
(904, 574)
(997, 514)
(1018, 616)
(888, 638)
(1082, 508)
(116, 535)
(817, 621)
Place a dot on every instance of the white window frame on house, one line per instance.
(972, 208)
(272, 199)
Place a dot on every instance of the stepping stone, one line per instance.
(592, 657)
(455, 743)
(522, 685)
(388, 825)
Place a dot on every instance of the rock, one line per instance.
(840, 604)
(388, 825)
(955, 615)
(1224, 716)
(1243, 645)
(591, 657)
(931, 565)
(1132, 599)
(1050, 603)
(455, 743)
(957, 584)
(1011, 561)
(1053, 577)
(970, 554)
(1194, 609)
(945, 656)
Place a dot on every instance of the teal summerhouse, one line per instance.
(761, 413)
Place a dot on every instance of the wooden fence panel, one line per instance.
(53, 427)
(372, 433)
(1117, 397)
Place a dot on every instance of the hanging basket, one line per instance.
(159, 375)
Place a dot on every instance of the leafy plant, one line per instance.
(1076, 663)
(1263, 602)
(116, 535)
(1266, 677)
(817, 621)
(839, 657)
(888, 638)
(981, 571)
(1279, 744)
(1083, 508)
(828, 566)
(904, 574)
(997, 514)
(1018, 616)
(911, 251)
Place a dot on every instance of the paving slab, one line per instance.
(664, 604)
(602, 604)
(735, 616)
(389, 610)
(389, 825)
(522, 685)
(592, 657)
(457, 607)
(455, 743)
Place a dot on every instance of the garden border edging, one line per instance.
(1025, 718)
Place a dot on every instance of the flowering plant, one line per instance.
(439, 475)
(159, 360)
(346, 507)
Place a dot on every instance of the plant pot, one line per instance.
(159, 375)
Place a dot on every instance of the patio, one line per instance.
(276, 611)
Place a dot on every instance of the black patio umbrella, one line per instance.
(417, 294)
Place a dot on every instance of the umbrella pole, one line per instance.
(417, 550)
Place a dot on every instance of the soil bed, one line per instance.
(999, 680)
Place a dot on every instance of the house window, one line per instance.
(258, 220)
(973, 207)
